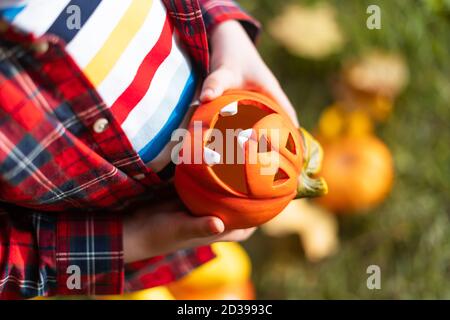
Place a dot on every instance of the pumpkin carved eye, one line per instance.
(290, 144)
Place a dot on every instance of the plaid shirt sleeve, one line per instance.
(217, 11)
(78, 254)
(55, 170)
(65, 254)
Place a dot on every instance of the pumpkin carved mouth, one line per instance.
(234, 127)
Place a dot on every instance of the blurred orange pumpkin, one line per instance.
(233, 291)
(156, 293)
(246, 178)
(227, 276)
(359, 173)
(231, 265)
(335, 121)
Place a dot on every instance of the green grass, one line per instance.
(409, 235)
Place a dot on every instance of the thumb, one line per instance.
(271, 87)
(216, 83)
(278, 94)
(200, 227)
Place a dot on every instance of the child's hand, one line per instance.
(164, 228)
(236, 64)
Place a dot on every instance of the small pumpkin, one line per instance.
(226, 277)
(359, 173)
(335, 122)
(156, 293)
(231, 265)
(252, 160)
(233, 291)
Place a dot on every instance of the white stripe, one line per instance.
(211, 4)
(49, 139)
(39, 15)
(85, 185)
(23, 283)
(161, 83)
(159, 119)
(12, 3)
(92, 260)
(17, 156)
(164, 157)
(124, 71)
(90, 39)
(87, 254)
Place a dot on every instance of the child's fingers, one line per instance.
(199, 227)
(275, 91)
(216, 83)
(235, 235)
(283, 100)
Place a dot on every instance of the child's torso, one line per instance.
(129, 51)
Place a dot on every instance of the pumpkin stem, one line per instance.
(308, 186)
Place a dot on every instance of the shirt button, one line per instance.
(100, 125)
(40, 47)
(195, 103)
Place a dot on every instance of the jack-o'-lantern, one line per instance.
(359, 173)
(242, 160)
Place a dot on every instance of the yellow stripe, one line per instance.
(133, 19)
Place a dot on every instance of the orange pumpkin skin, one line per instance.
(238, 193)
(359, 173)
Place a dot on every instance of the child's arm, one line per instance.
(154, 230)
(236, 64)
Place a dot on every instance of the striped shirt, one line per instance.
(130, 53)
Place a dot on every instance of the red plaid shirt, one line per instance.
(63, 184)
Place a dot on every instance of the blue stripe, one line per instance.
(60, 27)
(155, 146)
(10, 13)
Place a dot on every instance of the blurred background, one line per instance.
(392, 84)
(371, 81)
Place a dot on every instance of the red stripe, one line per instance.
(144, 75)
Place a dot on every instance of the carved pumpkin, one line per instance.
(251, 157)
(359, 173)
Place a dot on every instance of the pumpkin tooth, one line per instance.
(243, 136)
(229, 110)
(211, 157)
